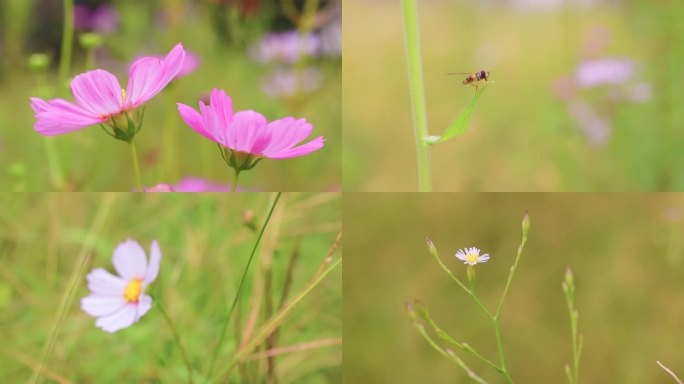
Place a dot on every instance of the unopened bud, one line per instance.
(90, 40)
(430, 244)
(38, 62)
(526, 223)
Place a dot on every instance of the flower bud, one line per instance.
(90, 40)
(38, 62)
(526, 223)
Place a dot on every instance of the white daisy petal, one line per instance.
(96, 305)
(104, 283)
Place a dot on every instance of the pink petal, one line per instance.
(98, 92)
(58, 116)
(301, 150)
(104, 283)
(129, 260)
(194, 120)
(96, 305)
(149, 75)
(286, 133)
(212, 124)
(122, 318)
(144, 305)
(155, 259)
(222, 105)
(248, 133)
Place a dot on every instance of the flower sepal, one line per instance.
(123, 127)
(239, 161)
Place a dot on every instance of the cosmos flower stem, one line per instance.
(233, 187)
(239, 289)
(176, 338)
(409, 9)
(136, 167)
(67, 42)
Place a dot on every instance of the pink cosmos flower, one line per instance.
(120, 301)
(99, 97)
(247, 135)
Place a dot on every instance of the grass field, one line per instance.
(205, 241)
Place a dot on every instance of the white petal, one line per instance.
(96, 305)
(461, 255)
(155, 259)
(104, 283)
(129, 260)
(120, 319)
(144, 305)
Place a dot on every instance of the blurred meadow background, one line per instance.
(625, 251)
(588, 95)
(205, 240)
(250, 48)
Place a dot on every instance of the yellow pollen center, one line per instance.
(123, 95)
(133, 291)
(471, 258)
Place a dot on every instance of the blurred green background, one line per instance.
(625, 250)
(205, 241)
(534, 129)
(220, 34)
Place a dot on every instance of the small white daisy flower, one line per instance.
(471, 256)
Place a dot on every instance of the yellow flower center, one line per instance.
(133, 291)
(471, 258)
(123, 95)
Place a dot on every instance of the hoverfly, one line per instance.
(473, 78)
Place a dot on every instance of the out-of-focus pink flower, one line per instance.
(197, 184)
(103, 19)
(288, 82)
(594, 73)
(190, 63)
(247, 135)
(119, 301)
(99, 97)
(285, 47)
(159, 188)
(596, 128)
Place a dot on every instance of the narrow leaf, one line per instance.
(460, 125)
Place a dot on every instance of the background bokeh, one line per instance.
(625, 250)
(587, 97)
(224, 37)
(205, 240)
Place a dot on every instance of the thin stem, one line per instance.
(668, 370)
(176, 337)
(233, 186)
(67, 41)
(499, 346)
(136, 167)
(90, 59)
(416, 89)
(239, 289)
(512, 273)
(54, 165)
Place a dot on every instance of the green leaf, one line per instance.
(460, 125)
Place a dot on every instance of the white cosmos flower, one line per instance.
(119, 301)
(471, 256)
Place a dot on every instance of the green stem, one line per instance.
(239, 289)
(512, 273)
(176, 337)
(416, 88)
(499, 345)
(90, 59)
(67, 41)
(233, 187)
(54, 165)
(136, 167)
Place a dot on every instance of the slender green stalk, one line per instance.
(525, 228)
(433, 251)
(67, 42)
(136, 167)
(54, 164)
(409, 11)
(577, 341)
(90, 59)
(445, 352)
(233, 186)
(239, 289)
(176, 337)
